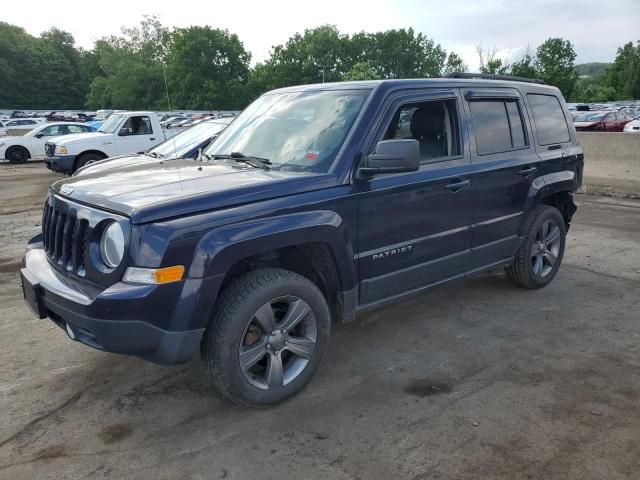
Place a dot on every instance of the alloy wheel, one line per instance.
(546, 247)
(278, 342)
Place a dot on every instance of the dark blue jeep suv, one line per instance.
(316, 203)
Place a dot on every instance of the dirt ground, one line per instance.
(473, 380)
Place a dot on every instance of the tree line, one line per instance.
(205, 68)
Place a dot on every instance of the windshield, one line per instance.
(590, 117)
(111, 124)
(181, 144)
(298, 130)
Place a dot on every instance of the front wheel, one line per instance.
(266, 337)
(540, 254)
(86, 159)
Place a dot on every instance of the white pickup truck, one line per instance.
(123, 133)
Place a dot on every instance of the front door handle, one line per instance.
(525, 172)
(151, 139)
(457, 185)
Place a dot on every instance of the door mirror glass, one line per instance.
(391, 156)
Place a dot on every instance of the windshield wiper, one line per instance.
(154, 154)
(256, 162)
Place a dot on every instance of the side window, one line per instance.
(549, 119)
(53, 131)
(434, 124)
(77, 128)
(138, 125)
(498, 126)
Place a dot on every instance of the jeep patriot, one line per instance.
(318, 202)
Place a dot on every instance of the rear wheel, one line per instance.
(18, 154)
(540, 254)
(267, 337)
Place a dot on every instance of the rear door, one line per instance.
(414, 228)
(505, 164)
(136, 135)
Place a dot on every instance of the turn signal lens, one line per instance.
(154, 276)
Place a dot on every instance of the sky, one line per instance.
(595, 27)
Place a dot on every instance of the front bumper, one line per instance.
(60, 163)
(122, 318)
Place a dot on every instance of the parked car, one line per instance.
(122, 133)
(31, 144)
(633, 126)
(20, 126)
(601, 121)
(186, 144)
(314, 205)
(172, 120)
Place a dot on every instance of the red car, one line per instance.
(601, 122)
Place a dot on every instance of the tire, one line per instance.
(540, 254)
(18, 154)
(82, 160)
(251, 365)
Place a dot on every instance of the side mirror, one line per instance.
(124, 132)
(40, 135)
(391, 156)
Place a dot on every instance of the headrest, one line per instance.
(428, 122)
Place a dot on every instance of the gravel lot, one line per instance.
(473, 380)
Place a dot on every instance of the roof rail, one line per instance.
(493, 76)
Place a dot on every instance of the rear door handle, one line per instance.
(151, 139)
(457, 185)
(525, 172)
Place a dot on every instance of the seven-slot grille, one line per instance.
(65, 238)
(49, 149)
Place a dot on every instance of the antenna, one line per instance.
(173, 138)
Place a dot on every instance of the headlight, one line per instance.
(61, 150)
(112, 245)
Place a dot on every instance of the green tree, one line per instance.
(39, 72)
(454, 64)
(489, 63)
(525, 67)
(207, 68)
(555, 64)
(361, 71)
(127, 70)
(317, 54)
(623, 75)
(405, 54)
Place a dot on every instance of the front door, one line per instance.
(136, 135)
(414, 229)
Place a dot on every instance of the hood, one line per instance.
(115, 162)
(153, 191)
(87, 137)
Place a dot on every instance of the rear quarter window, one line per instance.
(549, 119)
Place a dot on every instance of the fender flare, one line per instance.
(221, 248)
(544, 185)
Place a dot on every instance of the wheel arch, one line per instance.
(554, 189)
(18, 146)
(89, 152)
(312, 244)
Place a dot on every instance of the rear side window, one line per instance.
(549, 119)
(498, 126)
